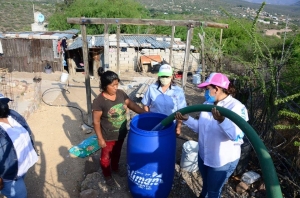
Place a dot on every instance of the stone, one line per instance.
(94, 181)
(89, 193)
(92, 164)
(241, 188)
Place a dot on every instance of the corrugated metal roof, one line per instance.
(77, 43)
(74, 31)
(99, 41)
(143, 41)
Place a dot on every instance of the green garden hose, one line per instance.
(266, 163)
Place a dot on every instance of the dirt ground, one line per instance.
(57, 128)
(274, 32)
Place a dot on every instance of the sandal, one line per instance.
(121, 172)
(110, 181)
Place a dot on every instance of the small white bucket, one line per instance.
(64, 77)
(189, 156)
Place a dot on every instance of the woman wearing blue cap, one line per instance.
(17, 153)
(165, 96)
(219, 138)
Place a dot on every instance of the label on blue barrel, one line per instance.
(144, 180)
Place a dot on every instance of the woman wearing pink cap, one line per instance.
(219, 138)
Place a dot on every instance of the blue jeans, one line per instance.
(214, 178)
(15, 189)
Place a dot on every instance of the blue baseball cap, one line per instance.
(4, 99)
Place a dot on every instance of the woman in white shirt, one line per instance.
(219, 138)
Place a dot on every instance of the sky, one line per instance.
(275, 2)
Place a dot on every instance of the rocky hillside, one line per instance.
(17, 15)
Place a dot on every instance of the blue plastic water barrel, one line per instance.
(150, 156)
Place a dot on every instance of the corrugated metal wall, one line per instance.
(28, 55)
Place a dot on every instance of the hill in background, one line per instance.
(19, 13)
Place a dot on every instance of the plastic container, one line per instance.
(250, 177)
(196, 79)
(150, 156)
(189, 156)
(48, 71)
(64, 77)
(86, 147)
(199, 69)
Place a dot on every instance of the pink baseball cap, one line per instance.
(217, 79)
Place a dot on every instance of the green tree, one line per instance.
(97, 9)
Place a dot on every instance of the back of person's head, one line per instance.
(231, 90)
(107, 78)
(4, 108)
(100, 71)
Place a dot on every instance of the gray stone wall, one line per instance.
(129, 59)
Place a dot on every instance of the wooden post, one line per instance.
(202, 38)
(118, 50)
(221, 34)
(171, 46)
(87, 73)
(220, 52)
(187, 55)
(106, 48)
(70, 65)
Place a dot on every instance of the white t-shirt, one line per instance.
(219, 143)
(26, 154)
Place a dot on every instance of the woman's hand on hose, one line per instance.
(180, 117)
(217, 116)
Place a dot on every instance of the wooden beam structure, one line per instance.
(187, 55)
(86, 73)
(154, 22)
(171, 46)
(190, 24)
(106, 48)
(118, 50)
(202, 38)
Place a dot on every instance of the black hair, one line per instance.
(4, 110)
(107, 78)
(100, 71)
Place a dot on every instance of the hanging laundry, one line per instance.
(1, 50)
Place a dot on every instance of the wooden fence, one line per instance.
(29, 55)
